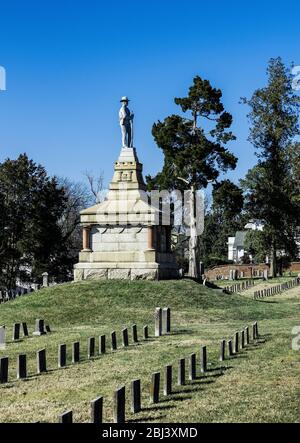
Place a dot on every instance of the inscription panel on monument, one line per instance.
(119, 239)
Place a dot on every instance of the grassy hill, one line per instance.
(260, 384)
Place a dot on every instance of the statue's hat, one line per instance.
(124, 99)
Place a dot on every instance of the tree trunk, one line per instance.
(273, 264)
(193, 242)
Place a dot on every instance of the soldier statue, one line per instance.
(126, 122)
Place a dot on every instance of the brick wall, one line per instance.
(294, 267)
(245, 271)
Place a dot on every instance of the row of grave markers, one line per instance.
(238, 287)
(277, 289)
(40, 329)
(241, 341)
(62, 353)
(162, 326)
(11, 294)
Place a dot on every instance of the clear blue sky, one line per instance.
(68, 62)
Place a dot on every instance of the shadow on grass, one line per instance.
(189, 389)
(261, 341)
(183, 397)
(179, 394)
(17, 341)
(253, 347)
(237, 356)
(8, 385)
(218, 368)
(209, 377)
(182, 332)
(158, 407)
(144, 419)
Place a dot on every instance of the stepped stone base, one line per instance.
(131, 271)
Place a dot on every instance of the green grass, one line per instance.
(261, 384)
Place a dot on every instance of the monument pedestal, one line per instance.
(121, 236)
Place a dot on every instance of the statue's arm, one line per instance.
(122, 116)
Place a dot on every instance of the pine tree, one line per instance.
(194, 148)
(271, 194)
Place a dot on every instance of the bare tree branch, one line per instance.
(95, 185)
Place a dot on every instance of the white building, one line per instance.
(236, 249)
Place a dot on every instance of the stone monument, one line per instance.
(123, 237)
